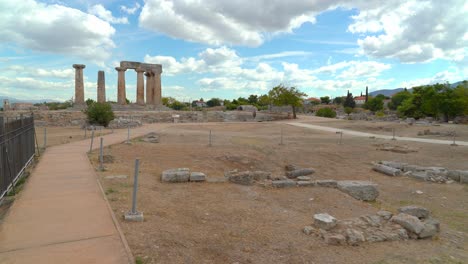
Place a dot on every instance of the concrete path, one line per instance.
(61, 215)
(363, 134)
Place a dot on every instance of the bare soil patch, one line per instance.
(228, 223)
(64, 135)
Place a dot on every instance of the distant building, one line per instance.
(24, 106)
(199, 103)
(6, 105)
(360, 100)
(312, 101)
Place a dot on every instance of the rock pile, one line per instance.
(151, 138)
(396, 148)
(431, 174)
(247, 177)
(428, 132)
(124, 123)
(412, 222)
(182, 175)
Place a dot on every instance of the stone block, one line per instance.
(197, 177)
(305, 183)
(429, 230)
(335, 239)
(304, 178)
(419, 212)
(176, 175)
(134, 217)
(386, 215)
(360, 190)
(326, 183)
(308, 230)
(283, 183)
(354, 237)
(242, 178)
(409, 222)
(418, 175)
(454, 175)
(324, 221)
(299, 172)
(394, 164)
(386, 170)
(260, 175)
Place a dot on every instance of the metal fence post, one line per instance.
(393, 132)
(101, 155)
(209, 144)
(281, 140)
(92, 141)
(45, 137)
(135, 186)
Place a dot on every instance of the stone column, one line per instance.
(101, 87)
(140, 99)
(157, 100)
(79, 84)
(149, 87)
(121, 95)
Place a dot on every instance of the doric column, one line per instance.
(79, 84)
(157, 100)
(140, 99)
(101, 87)
(149, 87)
(121, 95)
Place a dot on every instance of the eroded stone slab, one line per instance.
(324, 221)
(360, 190)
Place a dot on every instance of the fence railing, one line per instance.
(17, 149)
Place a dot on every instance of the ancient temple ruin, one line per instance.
(153, 83)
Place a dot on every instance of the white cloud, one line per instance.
(41, 73)
(450, 75)
(55, 29)
(413, 31)
(242, 22)
(106, 15)
(130, 10)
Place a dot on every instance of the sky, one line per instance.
(228, 49)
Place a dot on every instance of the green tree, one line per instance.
(325, 100)
(264, 100)
(348, 110)
(213, 102)
(349, 101)
(176, 105)
(89, 101)
(253, 99)
(338, 100)
(99, 113)
(282, 95)
(374, 104)
(398, 98)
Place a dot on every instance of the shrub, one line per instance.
(348, 110)
(380, 114)
(326, 112)
(100, 113)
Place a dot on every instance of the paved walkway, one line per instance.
(61, 215)
(363, 134)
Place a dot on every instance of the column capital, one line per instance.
(79, 66)
(120, 69)
(138, 70)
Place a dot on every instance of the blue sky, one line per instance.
(227, 49)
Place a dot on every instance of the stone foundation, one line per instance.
(78, 118)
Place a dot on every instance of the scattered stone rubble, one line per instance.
(151, 138)
(431, 174)
(182, 175)
(428, 132)
(360, 190)
(124, 123)
(412, 222)
(395, 148)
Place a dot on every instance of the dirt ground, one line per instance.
(228, 223)
(63, 135)
(386, 128)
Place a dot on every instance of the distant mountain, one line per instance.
(386, 92)
(390, 92)
(15, 100)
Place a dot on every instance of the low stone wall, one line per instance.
(78, 118)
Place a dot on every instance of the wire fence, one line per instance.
(17, 149)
